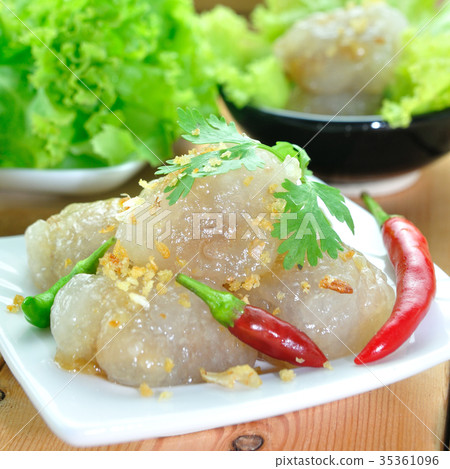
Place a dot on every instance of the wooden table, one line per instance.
(408, 415)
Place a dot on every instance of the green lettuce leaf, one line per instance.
(133, 62)
(252, 75)
(274, 17)
(422, 81)
(241, 60)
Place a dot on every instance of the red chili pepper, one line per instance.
(415, 283)
(258, 328)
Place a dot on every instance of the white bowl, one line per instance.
(68, 181)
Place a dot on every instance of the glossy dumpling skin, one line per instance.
(340, 303)
(342, 60)
(56, 244)
(160, 340)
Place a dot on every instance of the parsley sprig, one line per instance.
(304, 227)
(215, 130)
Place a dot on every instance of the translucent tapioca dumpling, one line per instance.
(221, 231)
(77, 313)
(333, 55)
(340, 303)
(55, 245)
(160, 339)
(168, 342)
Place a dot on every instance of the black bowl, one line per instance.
(351, 148)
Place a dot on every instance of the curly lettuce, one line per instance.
(241, 59)
(133, 62)
(422, 78)
(274, 17)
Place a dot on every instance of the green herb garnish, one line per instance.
(209, 131)
(309, 233)
(215, 130)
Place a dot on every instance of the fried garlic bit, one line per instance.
(145, 390)
(335, 284)
(287, 374)
(17, 303)
(243, 374)
(165, 395)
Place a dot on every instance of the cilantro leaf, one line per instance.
(304, 228)
(213, 129)
(334, 202)
(180, 190)
(283, 149)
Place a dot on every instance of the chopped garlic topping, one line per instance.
(163, 250)
(148, 185)
(335, 284)
(168, 365)
(165, 395)
(347, 255)
(184, 300)
(280, 295)
(244, 374)
(214, 162)
(145, 390)
(182, 160)
(265, 258)
(108, 229)
(165, 275)
(139, 299)
(137, 272)
(161, 288)
(251, 282)
(17, 303)
(233, 285)
(123, 285)
(272, 188)
(287, 375)
(306, 287)
(277, 206)
(128, 206)
(245, 299)
(181, 262)
(265, 225)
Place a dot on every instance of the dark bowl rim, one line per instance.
(335, 119)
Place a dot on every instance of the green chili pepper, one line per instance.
(36, 309)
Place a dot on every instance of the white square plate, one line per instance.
(86, 410)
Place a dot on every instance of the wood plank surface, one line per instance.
(409, 415)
